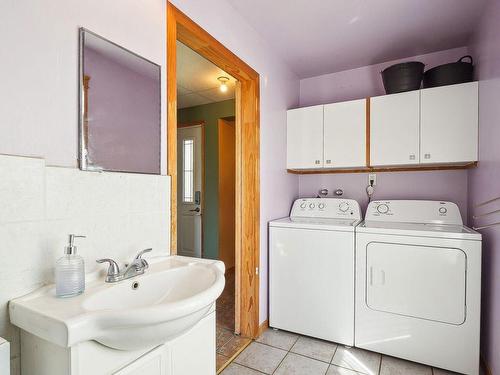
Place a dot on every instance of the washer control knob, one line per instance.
(311, 205)
(344, 206)
(321, 206)
(303, 205)
(382, 208)
(443, 210)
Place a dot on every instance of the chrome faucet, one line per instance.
(137, 267)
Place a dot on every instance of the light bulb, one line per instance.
(223, 83)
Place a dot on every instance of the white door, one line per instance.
(423, 282)
(395, 129)
(304, 138)
(189, 190)
(311, 283)
(345, 134)
(449, 124)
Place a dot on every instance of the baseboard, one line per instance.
(484, 366)
(263, 327)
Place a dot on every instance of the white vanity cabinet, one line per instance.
(395, 129)
(304, 138)
(191, 353)
(345, 134)
(449, 124)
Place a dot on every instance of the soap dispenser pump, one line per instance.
(70, 271)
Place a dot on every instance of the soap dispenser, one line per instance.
(70, 271)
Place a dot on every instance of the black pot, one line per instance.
(450, 74)
(403, 77)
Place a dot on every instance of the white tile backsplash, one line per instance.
(39, 206)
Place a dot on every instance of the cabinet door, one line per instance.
(155, 362)
(394, 129)
(304, 138)
(345, 134)
(449, 124)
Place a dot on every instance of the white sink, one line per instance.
(142, 312)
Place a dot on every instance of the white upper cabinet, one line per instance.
(305, 138)
(449, 124)
(345, 134)
(394, 129)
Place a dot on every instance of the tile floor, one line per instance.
(228, 344)
(285, 353)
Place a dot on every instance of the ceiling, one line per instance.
(316, 37)
(197, 82)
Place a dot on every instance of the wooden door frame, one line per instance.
(247, 246)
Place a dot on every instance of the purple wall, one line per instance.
(484, 181)
(445, 185)
(360, 83)
(124, 116)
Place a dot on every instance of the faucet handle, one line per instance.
(113, 268)
(138, 257)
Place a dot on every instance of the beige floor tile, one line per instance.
(317, 349)
(223, 336)
(261, 357)
(356, 359)
(295, 364)
(397, 366)
(235, 369)
(336, 370)
(279, 339)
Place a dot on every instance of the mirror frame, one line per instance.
(83, 127)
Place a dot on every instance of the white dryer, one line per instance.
(418, 284)
(311, 275)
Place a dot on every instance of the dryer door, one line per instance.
(417, 281)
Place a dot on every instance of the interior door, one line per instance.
(345, 134)
(190, 190)
(424, 282)
(395, 129)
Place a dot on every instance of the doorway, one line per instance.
(247, 158)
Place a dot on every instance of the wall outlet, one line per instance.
(372, 179)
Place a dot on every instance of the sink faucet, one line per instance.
(137, 267)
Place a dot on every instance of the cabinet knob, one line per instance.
(412, 156)
(427, 156)
(328, 161)
(316, 162)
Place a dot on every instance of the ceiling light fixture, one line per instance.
(223, 83)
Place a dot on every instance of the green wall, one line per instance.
(210, 113)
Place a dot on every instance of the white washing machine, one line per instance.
(418, 284)
(311, 275)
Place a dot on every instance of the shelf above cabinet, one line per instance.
(417, 168)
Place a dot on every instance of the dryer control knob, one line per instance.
(382, 208)
(344, 206)
(303, 205)
(443, 210)
(321, 206)
(312, 205)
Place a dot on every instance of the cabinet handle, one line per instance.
(412, 156)
(427, 156)
(328, 161)
(316, 162)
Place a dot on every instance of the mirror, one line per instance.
(120, 108)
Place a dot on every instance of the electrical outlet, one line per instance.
(372, 179)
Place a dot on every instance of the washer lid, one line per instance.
(315, 223)
(418, 229)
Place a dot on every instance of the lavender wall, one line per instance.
(484, 181)
(364, 82)
(279, 89)
(124, 116)
(445, 185)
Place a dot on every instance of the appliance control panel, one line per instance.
(414, 211)
(327, 208)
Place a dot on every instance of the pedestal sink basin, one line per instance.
(148, 310)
